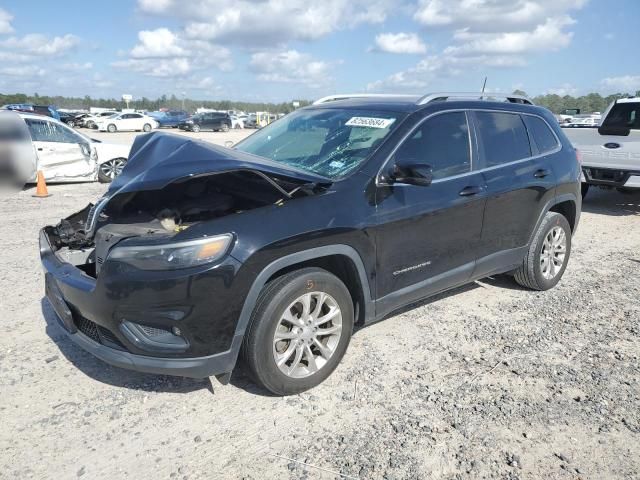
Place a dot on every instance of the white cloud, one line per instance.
(22, 71)
(163, 53)
(40, 45)
(400, 43)
(77, 67)
(492, 15)
(268, 22)
(564, 89)
(160, 43)
(546, 36)
(622, 84)
(486, 34)
(5, 22)
(290, 66)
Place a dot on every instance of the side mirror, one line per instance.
(411, 173)
(617, 131)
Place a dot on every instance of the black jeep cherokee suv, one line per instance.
(334, 216)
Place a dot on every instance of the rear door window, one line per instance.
(503, 137)
(45, 131)
(541, 134)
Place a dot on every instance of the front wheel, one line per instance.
(225, 127)
(299, 331)
(548, 255)
(110, 169)
(195, 128)
(146, 128)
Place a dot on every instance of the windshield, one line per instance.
(328, 142)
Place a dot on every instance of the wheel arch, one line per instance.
(567, 205)
(340, 260)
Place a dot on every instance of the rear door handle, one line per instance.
(40, 149)
(543, 172)
(470, 190)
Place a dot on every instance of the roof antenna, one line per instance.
(484, 84)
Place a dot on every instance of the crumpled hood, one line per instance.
(157, 159)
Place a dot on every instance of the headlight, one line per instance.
(188, 121)
(173, 256)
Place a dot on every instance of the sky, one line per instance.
(280, 50)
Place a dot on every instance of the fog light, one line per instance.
(176, 331)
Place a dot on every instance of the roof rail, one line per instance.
(347, 96)
(444, 96)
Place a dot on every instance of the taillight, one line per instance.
(578, 157)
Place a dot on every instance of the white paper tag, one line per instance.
(370, 122)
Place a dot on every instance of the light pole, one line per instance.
(184, 94)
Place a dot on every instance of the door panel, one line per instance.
(519, 183)
(61, 153)
(427, 236)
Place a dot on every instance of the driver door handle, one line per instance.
(470, 190)
(543, 172)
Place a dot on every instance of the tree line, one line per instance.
(592, 102)
(171, 102)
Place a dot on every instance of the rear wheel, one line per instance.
(299, 331)
(548, 255)
(111, 128)
(110, 169)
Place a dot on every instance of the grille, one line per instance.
(153, 331)
(97, 333)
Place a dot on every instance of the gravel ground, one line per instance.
(487, 381)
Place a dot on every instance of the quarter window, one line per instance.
(541, 134)
(503, 136)
(442, 142)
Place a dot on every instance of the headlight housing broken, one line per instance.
(173, 256)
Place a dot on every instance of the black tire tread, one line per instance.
(525, 274)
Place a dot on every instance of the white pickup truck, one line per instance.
(611, 153)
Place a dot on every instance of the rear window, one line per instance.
(504, 137)
(541, 134)
(623, 115)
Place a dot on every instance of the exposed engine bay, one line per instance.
(167, 212)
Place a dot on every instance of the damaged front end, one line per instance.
(155, 208)
(130, 278)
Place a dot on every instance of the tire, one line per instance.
(111, 128)
(285, 294)
(531, 274)
(225, 127)
(71, 124)
(584, 189)
(238, 126)
(146, 128)
(110, 169)
(195, 128)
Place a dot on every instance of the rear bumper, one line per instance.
(611, 177)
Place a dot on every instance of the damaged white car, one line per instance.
(65, 155)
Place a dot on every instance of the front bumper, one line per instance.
(92, 319)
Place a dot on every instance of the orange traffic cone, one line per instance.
(41, 187)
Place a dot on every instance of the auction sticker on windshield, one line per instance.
(371, 122)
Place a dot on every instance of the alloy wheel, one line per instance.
(113, 168)
(307, 334)
(553, 253)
